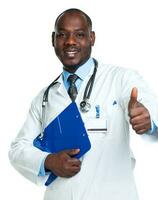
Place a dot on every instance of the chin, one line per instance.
(71, 62)
(71, 65)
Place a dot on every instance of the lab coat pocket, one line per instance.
(115, 111)
(98, 130)
(97, 125)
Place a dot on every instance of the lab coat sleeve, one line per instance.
(132, 79)
(23, 155)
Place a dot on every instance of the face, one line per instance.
(73, 40)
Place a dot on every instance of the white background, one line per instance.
(126, 35)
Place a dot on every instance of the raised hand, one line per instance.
(139, 115)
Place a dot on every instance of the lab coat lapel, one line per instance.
(62, 90)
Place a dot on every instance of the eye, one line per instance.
(61, 35)
(80, 35)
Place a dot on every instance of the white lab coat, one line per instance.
(107, 169)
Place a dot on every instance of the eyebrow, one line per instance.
(62, 29)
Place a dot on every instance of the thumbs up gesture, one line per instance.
(139, 115)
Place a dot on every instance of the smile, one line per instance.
(71, 53)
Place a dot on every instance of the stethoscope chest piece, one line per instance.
(85, 106)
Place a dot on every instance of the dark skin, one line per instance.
(63, 164)
(73, 41)
(138, 113)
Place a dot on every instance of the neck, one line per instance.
(72, 69)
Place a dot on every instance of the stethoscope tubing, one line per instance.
(84, 105)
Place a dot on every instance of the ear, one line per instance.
(92, 38)
(53, 37)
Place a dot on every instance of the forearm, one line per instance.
(27, 160)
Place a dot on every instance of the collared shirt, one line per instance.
(81, 72)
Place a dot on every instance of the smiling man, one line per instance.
(73, 39)
(117, 97)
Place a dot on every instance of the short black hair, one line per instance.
(73, 10)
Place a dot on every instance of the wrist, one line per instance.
(48, 162)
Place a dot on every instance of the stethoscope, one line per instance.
(84, 105)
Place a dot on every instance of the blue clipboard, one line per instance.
(66, 131)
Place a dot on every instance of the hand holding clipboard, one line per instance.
(65, 132)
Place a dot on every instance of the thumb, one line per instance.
(72, 152)
(133, 97)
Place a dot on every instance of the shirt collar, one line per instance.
(81, 72)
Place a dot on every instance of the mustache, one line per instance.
(71, 48)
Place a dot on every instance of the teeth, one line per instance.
(71, 53)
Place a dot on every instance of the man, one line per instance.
(122, 97)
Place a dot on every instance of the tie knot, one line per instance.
(72, 78)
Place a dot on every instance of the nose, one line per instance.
(70, 40)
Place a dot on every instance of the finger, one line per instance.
(74, 162)
(69, 174)
(137, 120)
(72, 152)
(71, 171)
(133, 97)
(70, 166)
(136, 112)
(142, 131)
(75, 169)
(140, 127)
